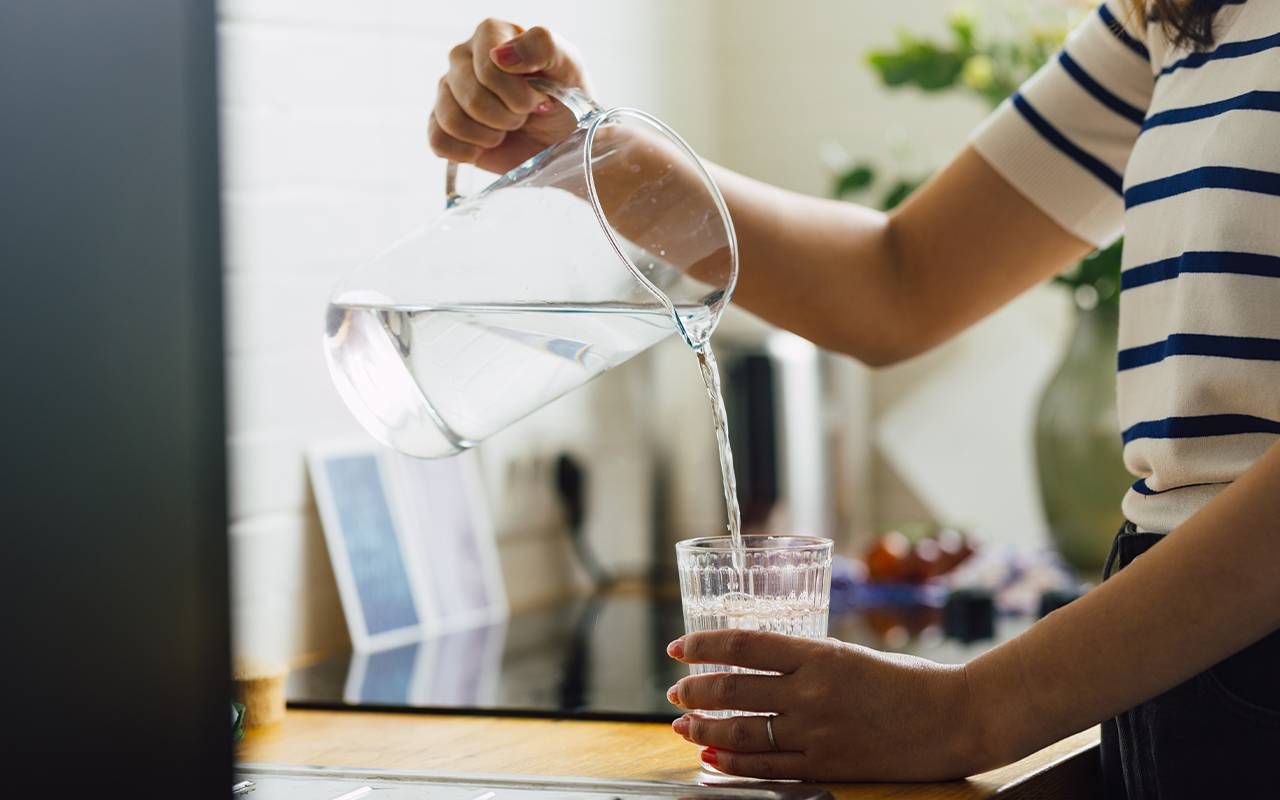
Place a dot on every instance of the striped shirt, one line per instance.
(1179, 150)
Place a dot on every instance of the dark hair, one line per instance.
(1185, 21)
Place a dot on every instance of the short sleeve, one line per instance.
(1064, 137)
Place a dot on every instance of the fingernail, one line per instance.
(505, 55)
(676, 648)
(543, 107)
(709, 756)
(681, 726)
(673, 694)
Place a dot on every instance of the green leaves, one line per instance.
(991, 69)
(862, 178)
(918, 62)
(926, 64)
(856, 179)
(899, 191)
(964, 60)
(1100, 270)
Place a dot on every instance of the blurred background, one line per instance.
(324, 108)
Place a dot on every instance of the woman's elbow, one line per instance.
(876, 354)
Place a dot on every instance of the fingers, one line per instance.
(486, 112)
(513, 90)
(479, 103)
(447, 147)
(727, 691)
(742, 734)
(774, 652)
(535, 50)
(455, 122)
(769, 766)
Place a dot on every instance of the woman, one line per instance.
(1158, 119)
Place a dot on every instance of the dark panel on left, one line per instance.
(114, 568)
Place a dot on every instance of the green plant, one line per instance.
(1096, 279)
(990, 69)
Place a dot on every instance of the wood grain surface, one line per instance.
(645, 751)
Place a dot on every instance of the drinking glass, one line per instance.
(780, 584)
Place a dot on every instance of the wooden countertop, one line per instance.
(634, 750)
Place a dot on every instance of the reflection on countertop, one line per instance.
(596, 658)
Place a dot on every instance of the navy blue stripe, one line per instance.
(1201, 261)
(1245, 180)
(1229, 50)
(1249, 348)
(1193, 427)
(1051, 134)
(1254, 101)
(1120, 33)
(1140, 486)
(1099, 92)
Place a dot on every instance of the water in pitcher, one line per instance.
(432, 381)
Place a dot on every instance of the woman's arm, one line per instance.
(885, 287)
(849, 713)
(880, 287)
(1207, 591)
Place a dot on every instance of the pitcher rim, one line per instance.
(713, 189)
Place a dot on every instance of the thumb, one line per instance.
(534, 51)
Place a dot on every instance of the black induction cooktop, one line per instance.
(599, 658)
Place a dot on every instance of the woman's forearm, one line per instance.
(884, 287)
(880, 287)
(819, 268)
(1209, 590)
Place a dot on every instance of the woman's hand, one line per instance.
(486, 113)
(843, 712)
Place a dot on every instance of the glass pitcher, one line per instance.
(573, 262)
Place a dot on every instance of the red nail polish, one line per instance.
(676, 648)
(709, 756)
(681, 726)
(673, 696)
(505, 55)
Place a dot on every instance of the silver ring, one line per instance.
(768, 728)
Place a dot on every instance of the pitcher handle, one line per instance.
(583, 108)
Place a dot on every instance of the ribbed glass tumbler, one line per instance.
(780, 584)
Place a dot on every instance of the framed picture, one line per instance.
(449, 539)
(410, 540)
